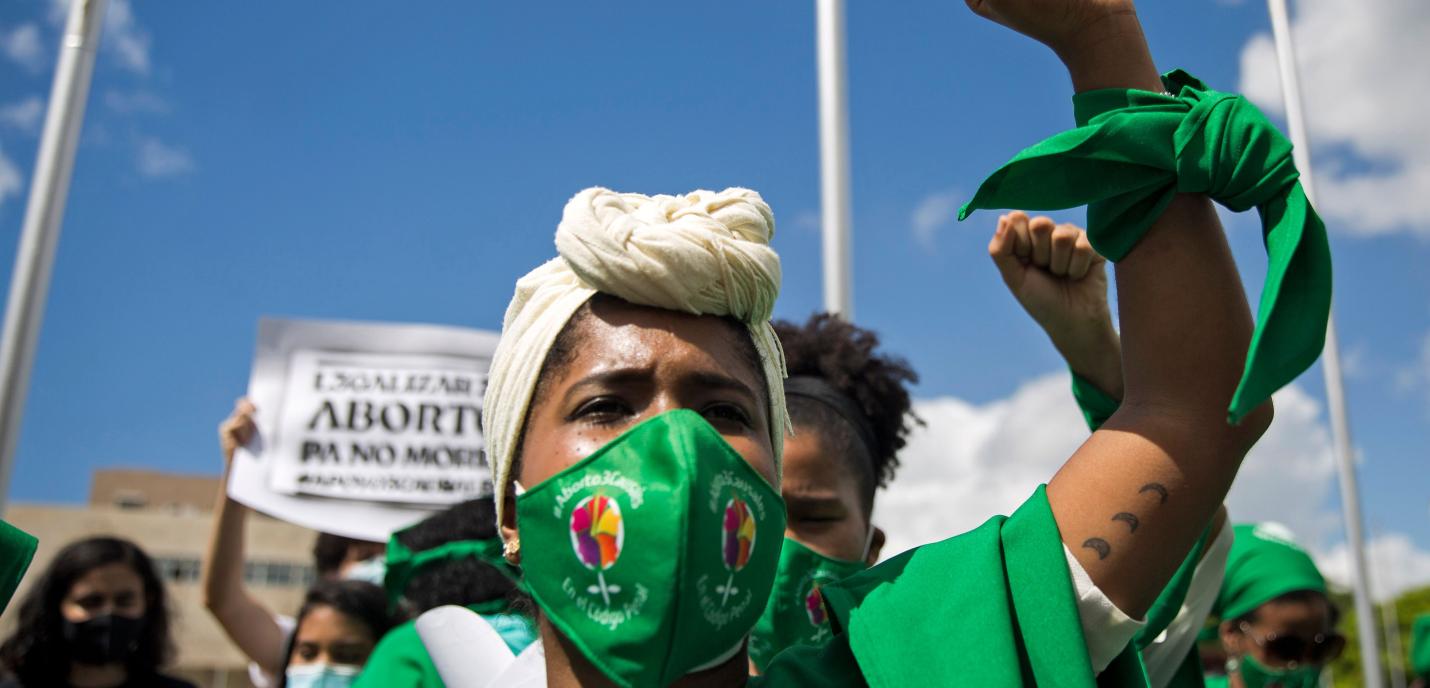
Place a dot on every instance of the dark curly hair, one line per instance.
(37, 653)
(845, 355)
(463, 581)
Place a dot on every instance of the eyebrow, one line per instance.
(703, 380)
(821, 500)
(615, 377)
(720, 382)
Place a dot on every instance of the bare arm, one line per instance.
(247, 622)
(1135, 497)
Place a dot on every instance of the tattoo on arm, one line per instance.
(1130, 519)
(1098, 545)
(1155, 487)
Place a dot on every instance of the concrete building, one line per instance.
(168, 515)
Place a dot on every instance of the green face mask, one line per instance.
(654, 556)
(1257, 675)
(795, 614)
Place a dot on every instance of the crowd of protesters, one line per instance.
(685, 491)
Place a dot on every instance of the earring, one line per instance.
(511, 550)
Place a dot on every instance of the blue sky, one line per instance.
(367, 161)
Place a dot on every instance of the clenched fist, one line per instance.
(1054, 273)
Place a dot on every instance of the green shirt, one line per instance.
(400, 660)
(992, 607)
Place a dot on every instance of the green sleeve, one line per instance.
(400, 660)
(1096, 405)
(17, 548)
(992, 607)
(831, 664)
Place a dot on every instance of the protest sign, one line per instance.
(364, 428)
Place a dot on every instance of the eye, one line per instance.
(602, 410)
(726, 413)
(308, 651)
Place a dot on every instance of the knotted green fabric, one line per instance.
(1133, 151)
(403, 563)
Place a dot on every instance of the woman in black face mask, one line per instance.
(97, 618)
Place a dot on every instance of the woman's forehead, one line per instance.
(617, 335)
(109, 577)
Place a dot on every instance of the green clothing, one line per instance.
(1133, 151)
(17, 548)
(1264, 564)
(1420, 647)
(400, 660)
(1096, 405)
(992, 607)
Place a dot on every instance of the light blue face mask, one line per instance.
(321, 675)
(372, 570)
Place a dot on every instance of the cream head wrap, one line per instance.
(704, 253)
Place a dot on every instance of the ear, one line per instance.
(509, 531)
(876, 545)
(1231, 638)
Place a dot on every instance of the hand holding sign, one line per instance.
(359, 429)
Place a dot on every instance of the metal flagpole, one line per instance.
(30, 282)
(834, 157)
(1390, 619)
(1330, 363)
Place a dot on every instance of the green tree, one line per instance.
(1347, 669)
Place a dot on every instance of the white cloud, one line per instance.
(933, 212)
(973, 461)
(10, 179)
(24, 115)
(158, 159)
(1343, 52)
(135, 102)
(1395, 565)
(1416, 376)
(22, 45)
(124, 39)
(807, 221)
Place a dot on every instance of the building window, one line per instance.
(130, 499)
(177, 570)
(278, 574)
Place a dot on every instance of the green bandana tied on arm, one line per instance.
(1134, 150)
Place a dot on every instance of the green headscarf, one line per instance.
(1264, 563)
(1420, 647)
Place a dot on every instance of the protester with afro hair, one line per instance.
(850, 408)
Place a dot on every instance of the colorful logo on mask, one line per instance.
(814, 607)
(739, 540)
(738, 543)
(597, 535)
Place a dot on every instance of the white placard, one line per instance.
(364, 428)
